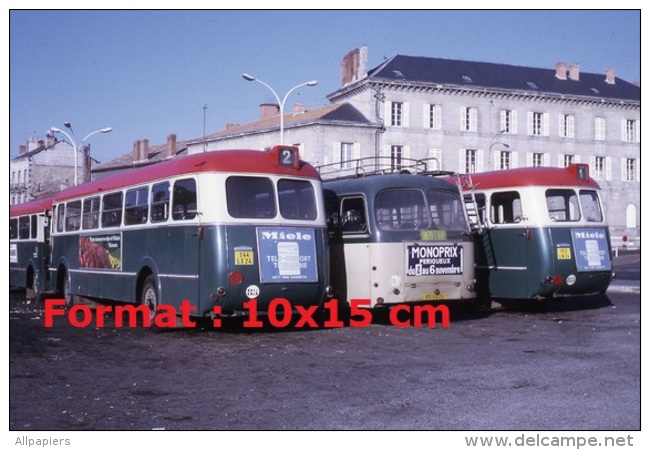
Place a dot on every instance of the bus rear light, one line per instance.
(235, 277)
(556, 280)
(220, 292)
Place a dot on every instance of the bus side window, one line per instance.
(136, 206)
(332, 208)
(13, 228)
(112, 210)
(160, 202)
(184, 201)
(60, 214)
(505, 207)
(73, 216)
(23, 227)
(353, 215)
(90, 218)
(34, 219)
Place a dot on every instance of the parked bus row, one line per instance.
(215, 229)
(222, 228)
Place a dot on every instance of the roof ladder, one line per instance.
(469, 199)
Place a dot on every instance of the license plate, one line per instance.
(564, 253)
(434, 296)
(243, 258)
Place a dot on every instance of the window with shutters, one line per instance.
(599, 128)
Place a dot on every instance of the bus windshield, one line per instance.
(410, 209)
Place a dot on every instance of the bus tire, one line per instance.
(149, 297)
(67, 295)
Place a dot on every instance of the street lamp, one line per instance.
(248, 77)
(495, 142)
(74, 142)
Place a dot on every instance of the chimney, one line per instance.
(144, 149)
(574, 72)
(22, 149)
(268, 110)
(49, 139)
(136, 151)
(171, 145)
(560, 71)
(354, 65)
(610, 76)
(298, 108)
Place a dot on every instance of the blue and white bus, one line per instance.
(398, 238)
(216, 229)
(541, 232)
(29, 238)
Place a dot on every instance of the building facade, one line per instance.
(458, 116)
(473, 117)
(42, 168)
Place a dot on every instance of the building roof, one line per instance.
(156, 154)
(341, 113)
(470, 74)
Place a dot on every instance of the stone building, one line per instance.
(475, 116)
(460, 116)
(43, 167)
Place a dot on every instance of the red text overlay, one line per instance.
(280, 313)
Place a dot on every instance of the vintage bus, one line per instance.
(398, 237)
(29, 239)
(216, 228)
(540, 232)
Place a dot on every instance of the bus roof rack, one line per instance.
(380, 165)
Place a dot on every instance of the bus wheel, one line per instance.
(149, 296)
(67, 295)
(31, 291)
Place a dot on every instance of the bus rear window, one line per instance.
(591, 206)
(562, 205)
(401, 209)
(297, 200)
(250, 197)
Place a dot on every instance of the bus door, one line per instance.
(504, 245)
(350, 248)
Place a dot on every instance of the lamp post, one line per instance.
(495, 142)
(248, 77)
(74, 142)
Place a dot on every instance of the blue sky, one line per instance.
(147, 74)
